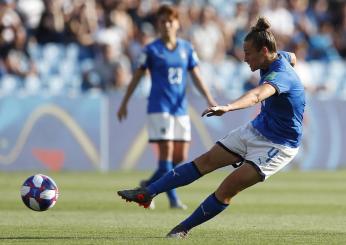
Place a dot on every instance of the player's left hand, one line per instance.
(215, 111)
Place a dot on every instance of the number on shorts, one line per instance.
(272, 153)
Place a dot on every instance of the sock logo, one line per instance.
(174, 173)
(204, 212)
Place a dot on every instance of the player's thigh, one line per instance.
(241, 178)
(180, 151)
(215, 158)
(165, 148)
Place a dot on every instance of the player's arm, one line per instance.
(202, 88)
(122, 112)
(250, 98)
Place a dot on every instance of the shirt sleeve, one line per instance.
(277, 80)
(286, 55)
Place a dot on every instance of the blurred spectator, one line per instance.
(51, 27)
(31, 12)
(144, 35)
(280, 17)
(110, 71)
(319, 12)
(305, 71)
(95, 43)
(13, 42)
(340, 32)
(207, 37)
(81, 24)
(321, 44)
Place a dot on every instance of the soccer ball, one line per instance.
(39, 192)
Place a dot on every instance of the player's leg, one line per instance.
(180, 151)
(161, 132)
(181, 143)
(238, 180)
(264, 159)
(182, 175)
(216, 157)
(165, 152)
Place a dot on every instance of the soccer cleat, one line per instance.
(139, 195)
(178, 205)
(143, 183)
(178, 232)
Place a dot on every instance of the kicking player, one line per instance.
(263, 146)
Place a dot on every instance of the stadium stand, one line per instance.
(67, 46)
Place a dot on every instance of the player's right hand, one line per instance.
(215, 111)
(122, 113)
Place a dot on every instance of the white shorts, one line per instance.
(266, 156)
(163, 126)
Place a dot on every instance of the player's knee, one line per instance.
(225, 196)
(203, 163)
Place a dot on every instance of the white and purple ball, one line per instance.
(39, 192)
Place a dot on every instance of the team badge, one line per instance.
(183, 55)
(271, 76)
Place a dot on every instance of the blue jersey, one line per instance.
(168, 71)
(281, 116)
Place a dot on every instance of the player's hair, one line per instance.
(261, 36)
(167, 9)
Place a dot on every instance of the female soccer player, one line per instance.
(168, 60)
(264, 145)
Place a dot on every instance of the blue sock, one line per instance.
(163, 167)
(179, 176)
(208, 209)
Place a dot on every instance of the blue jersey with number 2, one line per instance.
(281, 116)
(169, 71)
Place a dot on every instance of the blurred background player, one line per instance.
(263, 146)
(168, 60)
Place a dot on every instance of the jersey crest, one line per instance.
(271, 76)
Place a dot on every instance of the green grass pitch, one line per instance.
(289, 208)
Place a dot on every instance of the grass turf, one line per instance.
(289, 208)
